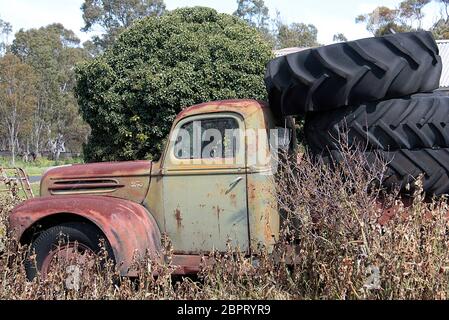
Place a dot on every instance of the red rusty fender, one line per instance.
(186, 264)
(128, 226)
(97, 170)
(126, 180)
(402, 209)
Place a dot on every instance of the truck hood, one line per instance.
(127, 180)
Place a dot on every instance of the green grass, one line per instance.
(35, 187)
(21, 193)
(34, 171)
(37, 167)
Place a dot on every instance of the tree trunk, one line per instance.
(36, 142)
(12, 144)
(12, 137)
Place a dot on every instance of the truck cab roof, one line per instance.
(244, 107)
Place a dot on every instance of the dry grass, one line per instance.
(344, 253)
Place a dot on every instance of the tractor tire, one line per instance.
(351, 73)
(405, 167)
(59, 237)
(419, 121)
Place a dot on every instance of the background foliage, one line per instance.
(139, 71)
(132, 93)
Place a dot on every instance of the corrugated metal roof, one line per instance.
(443, 45)
(285, 51)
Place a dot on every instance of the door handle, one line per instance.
(233, 184)
(237, 180)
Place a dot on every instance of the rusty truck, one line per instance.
(214, 184)
(200, 202)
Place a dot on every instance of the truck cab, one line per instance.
(213, 186)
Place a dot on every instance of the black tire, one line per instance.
(419, 121)
(406, 166)
(83, 233)
(350, 73)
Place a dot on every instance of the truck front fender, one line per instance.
(128, 226)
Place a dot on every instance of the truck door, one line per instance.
(204, 184)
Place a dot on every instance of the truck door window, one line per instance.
(207, 139)
(283, 139)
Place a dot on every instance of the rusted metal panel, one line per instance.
(154, 199)
(204, 210)
(187, 264)
(125, 180)
(197, 213)
(244, 107)
(205, 203)
(129, 227)
(264, 220)
(199, 206)
(103, 169)
(85, 185)
(401, 208)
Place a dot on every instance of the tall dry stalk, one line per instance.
(330, 213)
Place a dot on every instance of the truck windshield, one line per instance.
(281, 139)
(207, 139)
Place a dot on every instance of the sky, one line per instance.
(329, 16)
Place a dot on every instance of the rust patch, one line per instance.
(251, 191)
(218, 220)
(115, 217)
(267, 230)
(125, 180)
(186, 264)
(234, 200)
(401, 210)
(178, 217)
(242, 106)
(97, 170)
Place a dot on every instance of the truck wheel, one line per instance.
(75, 244)
(404, 167)
(350, 73)
(419, 121)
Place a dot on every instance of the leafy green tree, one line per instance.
(382, 20)
(257, 15)
(254, 12)
(53, 52)
(441, 28)
(412, 12)
(17, 97)
(408, 16)
(113, 16)
(297, 35)
(5, 32)
(160, 65)
(340, 37)
(92, 49)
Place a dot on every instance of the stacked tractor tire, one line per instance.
(381, 93)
